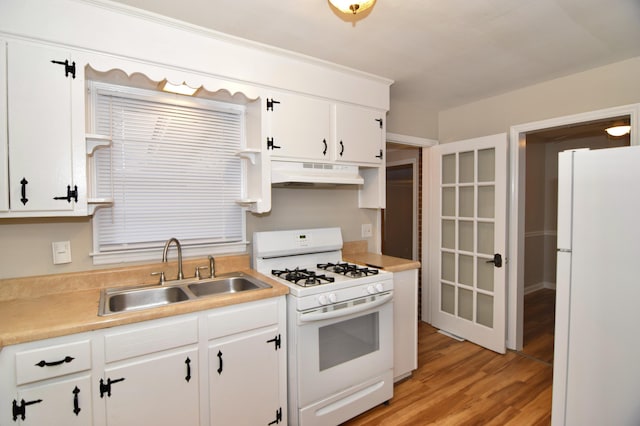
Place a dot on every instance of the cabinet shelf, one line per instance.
(95, 141)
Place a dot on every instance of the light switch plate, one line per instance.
(61, 252)
(366, 230)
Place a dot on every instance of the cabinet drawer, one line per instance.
(242, 318)
(52, 361)
(136, 340)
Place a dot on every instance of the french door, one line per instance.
(468, 239)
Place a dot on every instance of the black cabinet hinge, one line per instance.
(271, 145)
(106, 387)
(70, 194)
(68, 69)
(270, 103)
(379, 120)
(276, 340)
(379, 155)
(20, 410)
(278, 417)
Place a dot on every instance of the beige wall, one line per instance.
(25, 247)
(598, 88)
(412, 119)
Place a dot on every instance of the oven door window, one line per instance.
(347, 340)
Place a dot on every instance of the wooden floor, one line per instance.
(539, 324)
(460, 383)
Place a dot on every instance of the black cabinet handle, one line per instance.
(23, 191)
(219, 362)
(44, 363)
(324, 151)
(341, 148)
(379, 155)
(76, 405)
(497, 260)
(188, 362)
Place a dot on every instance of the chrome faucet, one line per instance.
(212, 267)
(179, 247)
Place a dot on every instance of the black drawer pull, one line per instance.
(44, 363)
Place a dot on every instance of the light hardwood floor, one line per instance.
(539, 324)
(459, 383)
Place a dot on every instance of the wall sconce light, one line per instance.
(352, 6)
(618, 131)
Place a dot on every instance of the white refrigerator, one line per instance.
(596, 378)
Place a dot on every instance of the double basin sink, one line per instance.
(117, 300)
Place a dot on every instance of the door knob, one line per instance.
(497, 260)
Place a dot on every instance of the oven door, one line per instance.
(343, 346)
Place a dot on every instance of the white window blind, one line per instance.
(171, 170)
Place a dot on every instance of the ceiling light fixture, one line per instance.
(352, 6)
(618, 130)
(181, 89)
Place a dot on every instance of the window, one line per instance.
(171, 171)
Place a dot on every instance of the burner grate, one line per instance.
(302, 277)
(348, 269)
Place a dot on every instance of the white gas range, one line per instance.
(339, 325)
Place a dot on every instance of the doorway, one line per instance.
(534, 222)
(398, 231)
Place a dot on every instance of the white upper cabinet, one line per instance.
(4, 158)
(42, 85)
(359, 134)
(305, 128)
(299, 127)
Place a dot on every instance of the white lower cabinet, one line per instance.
(224, 366)
(159, 389)
(65, 402)
(405, 323)
(241, 369)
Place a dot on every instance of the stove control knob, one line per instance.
(323, 299)
(380, 287)
(332, 298)
(370, 289)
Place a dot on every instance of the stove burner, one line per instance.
(348, 269)
(302, 277)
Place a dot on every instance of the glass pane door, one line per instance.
(471, 200)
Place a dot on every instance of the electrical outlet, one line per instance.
(61, 252)
(367, 231)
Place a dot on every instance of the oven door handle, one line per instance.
(310, 317)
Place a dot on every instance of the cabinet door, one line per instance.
(39, 116)
(359, 134)
(159, 389)
(61, 403)
(299, 126)
(4, 154)
(244, 379)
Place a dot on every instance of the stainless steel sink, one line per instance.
(144, 298)
(233, 284)
(117, 300)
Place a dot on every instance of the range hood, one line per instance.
(292, 173)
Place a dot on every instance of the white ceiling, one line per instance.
(441, 53)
